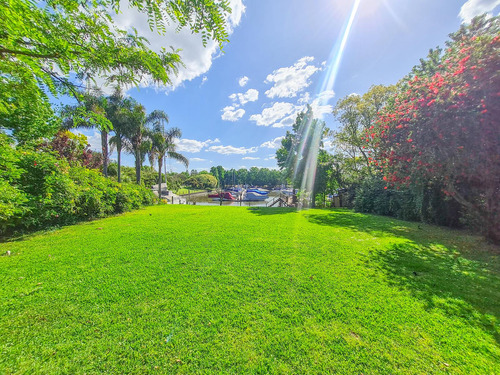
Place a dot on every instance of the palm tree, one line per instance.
(90, 112)
(162, 144)
(138, 135)
(122, 114)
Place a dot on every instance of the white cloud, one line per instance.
(320, 105)
(249, 158)
(288, 120)
(291, 80)
(204, 79)
(251, 95)
(192, 145)
(196, 58)
(231, 150)
(197, 159)
(273, 114)
(232, 114)
(271, 157)
(304, 98)
(243, 81)
(274, 144)
(474, 8)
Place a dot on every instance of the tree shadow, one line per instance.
(447, 269)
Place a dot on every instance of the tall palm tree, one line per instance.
(162, 144)
(121, 112)
(90, 112)
(138, 135)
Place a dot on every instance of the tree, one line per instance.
(75, 149)
(138, 133)
(44, 44)
(356, 115)
(298, 155)
(444, 125)
(90, 113)
(219, 173)
(163, 145)
(121, 112)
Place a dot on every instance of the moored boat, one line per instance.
(253, 196)
(226, 196)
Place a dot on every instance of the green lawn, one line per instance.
(192, 289)
(184, 191)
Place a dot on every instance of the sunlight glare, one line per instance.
(332, 68)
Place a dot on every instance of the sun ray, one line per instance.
(307, 155)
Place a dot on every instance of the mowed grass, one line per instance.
(185, 191)
(235, 290)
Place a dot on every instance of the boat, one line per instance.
(253, 196)
(257, 191)
(226, 196)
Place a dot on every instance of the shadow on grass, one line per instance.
(261, 211)
(447, 269)
(445, 280)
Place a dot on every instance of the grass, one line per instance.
(234, 290)
(184, 191)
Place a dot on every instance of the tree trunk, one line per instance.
(160, 159)
(119, 151)
(137, 167)
(104, 145)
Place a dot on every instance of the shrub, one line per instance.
(39, 189)
(420, 203)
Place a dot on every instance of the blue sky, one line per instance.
(233, 107)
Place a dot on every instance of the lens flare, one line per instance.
(311, 133)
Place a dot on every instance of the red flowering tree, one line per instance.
(75, 149)
(444, 125)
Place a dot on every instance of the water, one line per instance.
(204, 200)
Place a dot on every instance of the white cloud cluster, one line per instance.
(274, 143)
(249, 158)
(273, 114)
(283, 114)
(231, 150)
(320, 106)
(196, 58)
(197, 159)
(289, 81)
(243, 81)
(474, 8)
(230, 113)
(251, 95)
(192, 145)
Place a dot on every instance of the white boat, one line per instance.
(252, 196)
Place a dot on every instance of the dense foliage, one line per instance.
(40, 188)
(443, 127)
(52, 46)
(254, 176)
(201, 181)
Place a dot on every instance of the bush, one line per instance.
(201, 181)
(50, 191)
(421, 203)
(38, 189)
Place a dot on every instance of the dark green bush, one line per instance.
(421, 203)
(39, 189)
